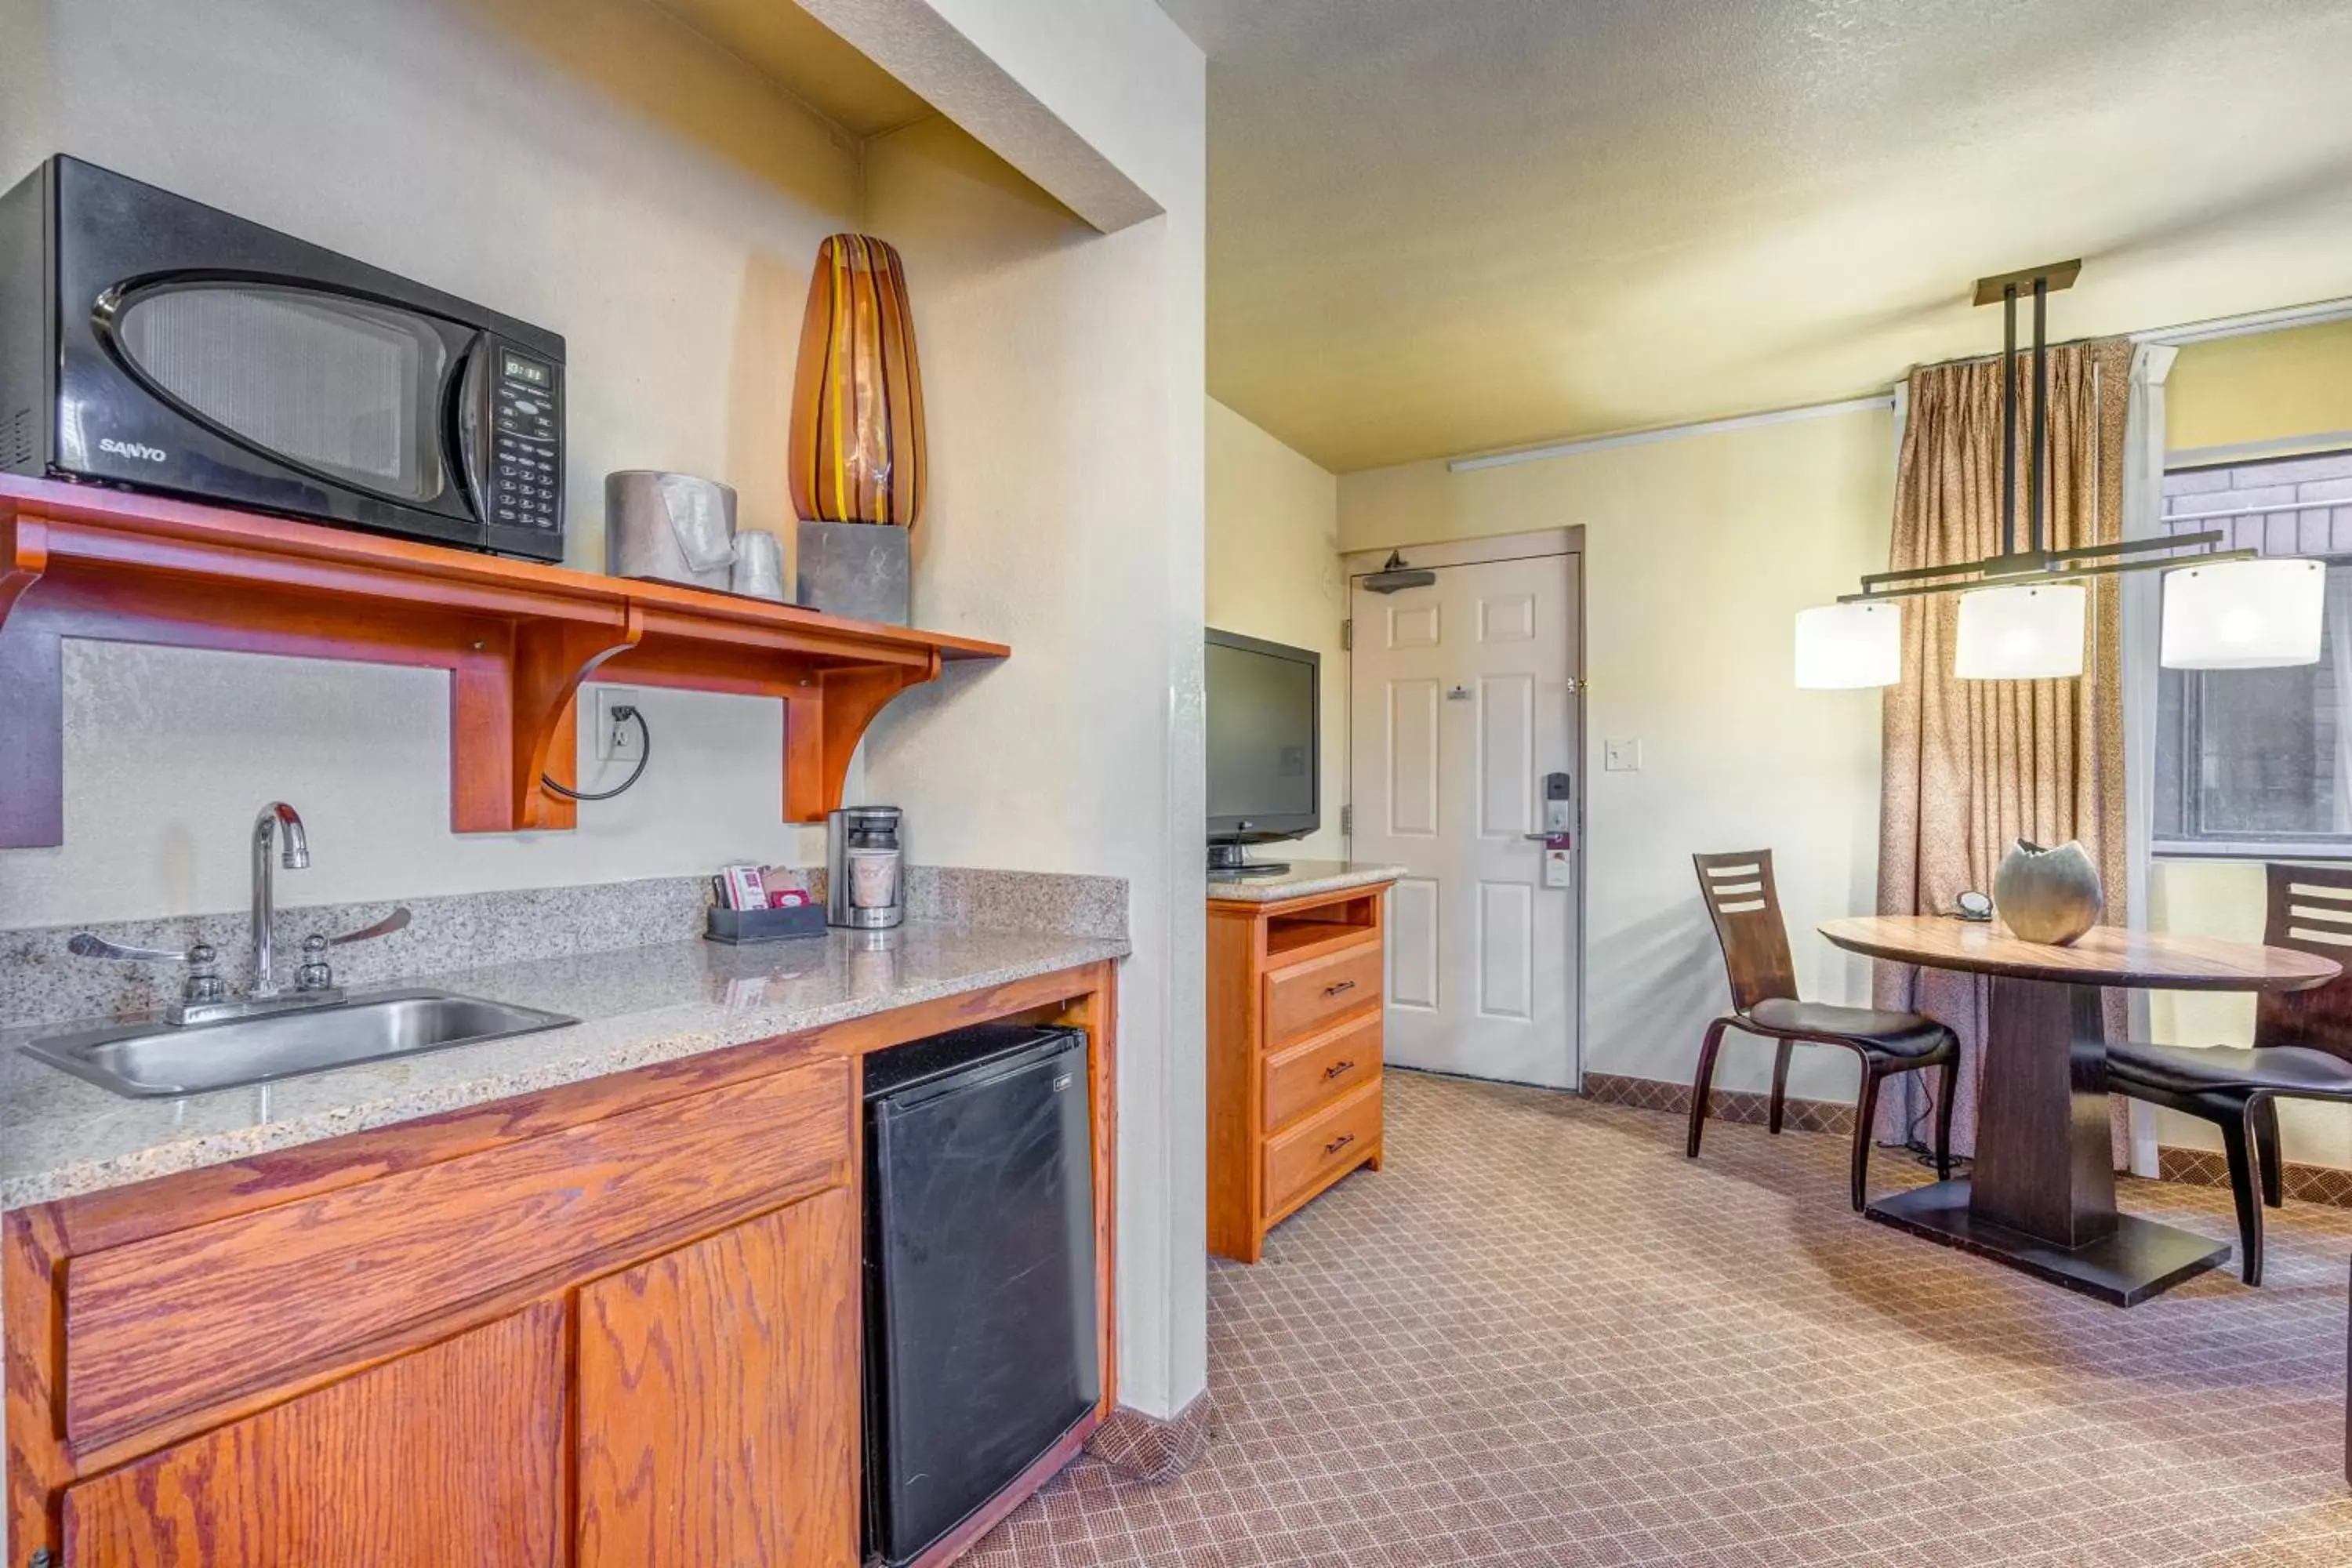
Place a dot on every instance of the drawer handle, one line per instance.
(1342, 985)
(1336, 1069)
(1338, 1144)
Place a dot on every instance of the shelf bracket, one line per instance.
(550, 659)
(824, 721)
(32, 696)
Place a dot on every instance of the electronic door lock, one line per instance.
(1558, 804)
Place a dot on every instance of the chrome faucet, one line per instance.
(297, 858)
(203, 998)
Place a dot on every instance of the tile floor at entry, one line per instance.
(1541, 1337)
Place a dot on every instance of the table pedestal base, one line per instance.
(2140, 1258)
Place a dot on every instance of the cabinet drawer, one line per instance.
(158, 1328)
(1302, 999)
(1302, 1077)
(1333, 1139)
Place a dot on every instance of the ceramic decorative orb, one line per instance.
(2048, 895)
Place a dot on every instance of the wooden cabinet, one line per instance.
(632, 1339)
(612, 1324)
(719, 1398)
(1295, 1007)
(450, 1454)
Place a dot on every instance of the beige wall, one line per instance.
(1699, 552)
(1063, 374)
(2263, 387)
(1274, 572)
(597, 169)
(2260, 388)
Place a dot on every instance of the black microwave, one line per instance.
(152, 341)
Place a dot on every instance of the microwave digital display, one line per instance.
(514, 367)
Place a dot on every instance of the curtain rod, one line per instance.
(2316, 314)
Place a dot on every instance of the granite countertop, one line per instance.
(60, 1136)
(1304, 879)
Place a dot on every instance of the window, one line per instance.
(2260, 761)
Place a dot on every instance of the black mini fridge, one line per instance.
(980, 1341)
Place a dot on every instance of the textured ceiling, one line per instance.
(807, 60)
(1447, 225)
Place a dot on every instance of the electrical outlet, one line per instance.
(618, 740)
(1621, 757)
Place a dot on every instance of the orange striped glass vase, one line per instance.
(858, 398)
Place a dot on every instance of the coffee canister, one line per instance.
(673, 527)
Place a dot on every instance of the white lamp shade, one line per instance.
(2243, 614)
(2031, 633)
(1841, 648)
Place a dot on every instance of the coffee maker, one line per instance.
(865, 872)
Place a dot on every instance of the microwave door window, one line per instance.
(341, 387)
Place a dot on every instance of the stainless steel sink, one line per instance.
(149, 1058)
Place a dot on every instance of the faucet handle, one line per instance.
(396, 920)
(204, 982)
(316, 973)
(89, 944)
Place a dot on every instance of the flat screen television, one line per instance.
(1265, 744)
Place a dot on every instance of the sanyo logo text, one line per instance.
(139, 449)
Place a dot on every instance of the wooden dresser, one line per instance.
(1295, 997)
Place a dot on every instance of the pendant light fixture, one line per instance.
(2024, 633)
(2243, 614)
(2028, 633)
(2024, 612)
(1842, 647)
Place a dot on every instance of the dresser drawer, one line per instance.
(1333, 1139)
(1316, 1070)
(1304, 998)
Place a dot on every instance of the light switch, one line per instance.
(1621, 757)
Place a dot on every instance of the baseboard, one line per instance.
(1723, 1105)
(2208, 1168)
(1151, 1448)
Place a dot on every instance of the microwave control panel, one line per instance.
(527, 452)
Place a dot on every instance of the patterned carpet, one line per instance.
(1541, 1337)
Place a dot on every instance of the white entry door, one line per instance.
(1462, 705)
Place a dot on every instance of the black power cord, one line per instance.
(621, 711)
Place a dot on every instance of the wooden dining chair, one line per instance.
(1745, 905)
(2301, 1050)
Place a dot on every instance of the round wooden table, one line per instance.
(2042, 1195)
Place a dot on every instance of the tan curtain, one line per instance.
(1972, 766)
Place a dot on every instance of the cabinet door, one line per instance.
(451, 1454)
(719, 1399)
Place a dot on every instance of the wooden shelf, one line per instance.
(516, 638)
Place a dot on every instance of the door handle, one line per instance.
(1336, 990)
(1338, 1144)
(1336, 1069)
